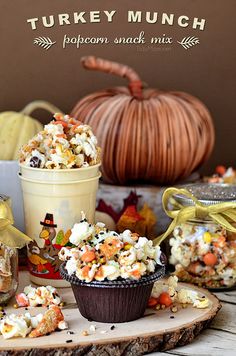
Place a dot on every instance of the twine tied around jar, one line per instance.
(224, 214)
(9, 235)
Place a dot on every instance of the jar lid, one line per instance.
(208, 194)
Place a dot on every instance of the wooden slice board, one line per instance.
(156, 331)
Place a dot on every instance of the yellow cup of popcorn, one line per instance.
(52, 205)
(59, 173)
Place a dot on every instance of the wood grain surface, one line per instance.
(219, 339)
(156, 331)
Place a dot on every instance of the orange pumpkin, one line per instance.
(145, 134)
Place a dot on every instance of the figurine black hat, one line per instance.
(48, 221)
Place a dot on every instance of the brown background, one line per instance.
(208, 70)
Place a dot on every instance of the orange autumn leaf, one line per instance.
(142, 222)
(128, 219)
(145, 227)
(132, 214)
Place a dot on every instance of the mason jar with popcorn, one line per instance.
(10, 240)
(202, 235)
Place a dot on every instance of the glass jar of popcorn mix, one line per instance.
(8, 272)
(202, 243)
(8, 259)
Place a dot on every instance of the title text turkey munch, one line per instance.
(151, 17)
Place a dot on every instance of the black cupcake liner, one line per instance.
(113, 301)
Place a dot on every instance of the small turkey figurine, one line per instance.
(43, 261)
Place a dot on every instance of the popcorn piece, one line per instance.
(187, 296)
(173, 281)
(201, 303)
(158, 288)
(34, 320)
(136, 271)
(14, 326)
(80, 232)
(92, 328)
(64, 143)
(150, 265)
(87, 273)
(63, 325)
(129, 237)
(38, 296)
(22, 300)
(64, 254)
(100, 224)
(71, 265)
(146, 246)
(174, 309)
(127, 258)
(111, 271)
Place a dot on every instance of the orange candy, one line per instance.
(233, 243)
(76, 125)
(210, 259)
(61, 135)
(193, 267)
(220, 242)
(85, 271)
(110, 247)
(152, 302)
(22, 300)
(220, 170)
(165, 299)
(136, 274)
(99, 273)
(88, 256)
(60, 122)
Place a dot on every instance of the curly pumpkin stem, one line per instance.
(40, 104)
(135, 84)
